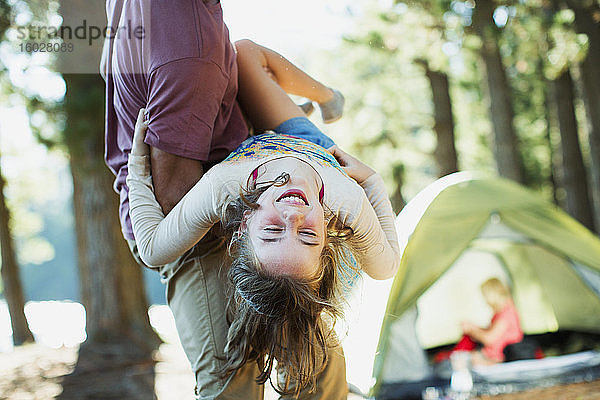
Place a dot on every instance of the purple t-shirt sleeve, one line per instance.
(182, 111)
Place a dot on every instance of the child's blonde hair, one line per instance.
(496, 293)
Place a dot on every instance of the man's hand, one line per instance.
(355, 168)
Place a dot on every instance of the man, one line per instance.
(174, 58)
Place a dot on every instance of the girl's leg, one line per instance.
(265, 78)
(293, 80)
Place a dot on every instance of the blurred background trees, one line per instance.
(11, 279)
(512, 89)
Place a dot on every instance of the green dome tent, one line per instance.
(458, 232)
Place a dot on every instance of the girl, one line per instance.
(296, 218)
(504, 328)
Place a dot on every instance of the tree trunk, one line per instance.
(396, 198)
(587, 14)
(112, 287)
(506, 146)
(574, 175)
(551, 147)
(445, 150)
(11, 280)
(13, 290)
(546, 14)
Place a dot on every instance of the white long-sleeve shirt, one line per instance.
(161, 239)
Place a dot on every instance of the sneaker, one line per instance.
(333, 109)
(307, 107)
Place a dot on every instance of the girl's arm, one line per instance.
(161, 239)
(486, 336)
(374, 227)
(381, 261)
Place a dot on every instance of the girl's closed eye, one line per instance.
(273, 229)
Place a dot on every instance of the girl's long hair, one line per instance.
(278, 317)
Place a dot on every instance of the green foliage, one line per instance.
(389, 120)
(566, 47)
(25, 85)
(5, 13)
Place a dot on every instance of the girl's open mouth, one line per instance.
(293, 196)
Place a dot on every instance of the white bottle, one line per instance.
(461, 381)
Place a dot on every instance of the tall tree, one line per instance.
(587, 21)
(112, 287)
(410, 125)
(573, 178)
(506, 143)
(574, 174)
(431, 30)
(397, 198)
(548, 134)
(11, 280)
(445, 149)
(13, 290)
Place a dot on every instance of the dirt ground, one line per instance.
(35, 372)
(575, 391)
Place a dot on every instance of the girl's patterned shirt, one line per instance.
(267, 144)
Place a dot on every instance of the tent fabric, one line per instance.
(407, 361)
(462, 213)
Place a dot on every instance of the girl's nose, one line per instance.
(294, 216)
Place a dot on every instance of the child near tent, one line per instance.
(504, 328)
(487, 344)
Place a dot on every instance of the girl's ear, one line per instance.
(243, 224)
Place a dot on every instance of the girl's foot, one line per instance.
(333, 109)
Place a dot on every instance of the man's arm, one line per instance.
(173, 176)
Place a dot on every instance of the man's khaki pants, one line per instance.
(195, 289)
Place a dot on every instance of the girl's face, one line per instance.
(288, 229)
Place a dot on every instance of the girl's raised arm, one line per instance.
(374, 227)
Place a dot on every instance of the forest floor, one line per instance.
(36, 372)
(574, 391)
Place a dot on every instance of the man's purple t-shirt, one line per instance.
(174, 58)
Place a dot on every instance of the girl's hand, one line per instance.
(355, 168)
(467, 327)
(139, 148)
